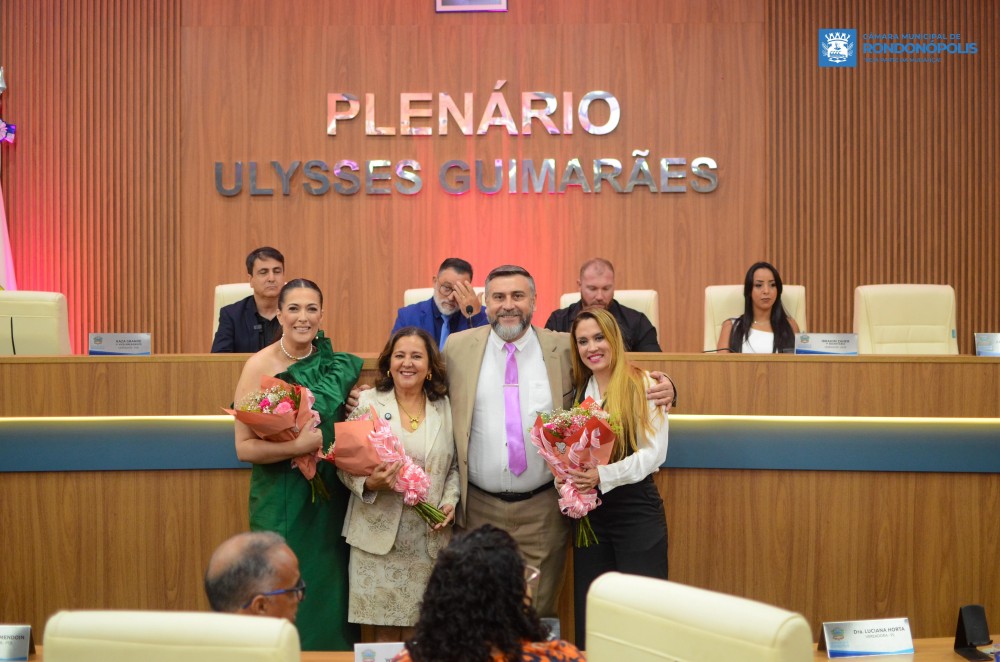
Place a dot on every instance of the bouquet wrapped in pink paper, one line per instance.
(365, 442)
(279, 411)
(578, 438)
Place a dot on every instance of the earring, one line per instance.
(429, 375)
(388, 374)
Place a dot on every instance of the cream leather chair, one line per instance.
(724, 302)
(165, 636)
(905, 319)
(33, 323)
(424, 293)
(640, 619)
(226, 294)
(646, 302)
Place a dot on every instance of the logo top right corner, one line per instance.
(838, 48)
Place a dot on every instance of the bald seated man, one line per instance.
(256, 574)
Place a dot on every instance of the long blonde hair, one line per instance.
(625, 398)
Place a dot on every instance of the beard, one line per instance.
(444, 306)
(510, 333)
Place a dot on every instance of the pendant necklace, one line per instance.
(414, 420)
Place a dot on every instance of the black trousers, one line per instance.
(631, 529)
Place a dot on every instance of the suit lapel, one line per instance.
(553, 367)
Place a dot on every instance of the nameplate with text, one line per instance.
(377, 652)
(119, 344)
(15, 642)
(887, 636)
(844, 344)
(988, 344)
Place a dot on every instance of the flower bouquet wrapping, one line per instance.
(366, 441)
(578, 438)
(279, 411)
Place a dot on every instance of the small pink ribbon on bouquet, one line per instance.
(574, 503)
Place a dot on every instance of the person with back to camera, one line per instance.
(392, 547)
(764, 327)
(476, 607)
(280, 498)
(630, 524)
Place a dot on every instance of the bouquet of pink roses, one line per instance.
(364, 442)
(578, 438)
(279, 411)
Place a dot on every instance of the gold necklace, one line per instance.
(414, 420)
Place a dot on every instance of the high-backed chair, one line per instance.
(33, 323)
(226, 294)
(724, 302)
(646, 302)
(640, 619)
(424, 293)
(905, 319)
(165, 636)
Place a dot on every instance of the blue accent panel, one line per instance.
(117, 444)
(844, 444)
(696, 442)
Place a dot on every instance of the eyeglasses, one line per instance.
(299, 589)
(445, 289)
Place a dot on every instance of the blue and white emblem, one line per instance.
(837, 48)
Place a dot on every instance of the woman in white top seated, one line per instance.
(764, 328)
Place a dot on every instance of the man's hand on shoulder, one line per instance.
(662, 393)
(354, 397)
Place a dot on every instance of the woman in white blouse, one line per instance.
(764, 328)
(630, 524)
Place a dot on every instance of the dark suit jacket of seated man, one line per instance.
(242, 330)
(637, 331)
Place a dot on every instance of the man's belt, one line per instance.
(511, 497)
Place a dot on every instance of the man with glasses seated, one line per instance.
(454, 307)
(255, 574)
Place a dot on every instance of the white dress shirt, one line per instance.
(488, 468)
(650, 453)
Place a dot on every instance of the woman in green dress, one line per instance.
(281, 499)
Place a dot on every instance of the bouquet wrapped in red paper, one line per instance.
(366, 441)
(279, 411)
(578, 438)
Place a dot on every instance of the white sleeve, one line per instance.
(646, 460)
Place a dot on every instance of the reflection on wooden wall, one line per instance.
(91, 184)
(885, 173)
(841, 177)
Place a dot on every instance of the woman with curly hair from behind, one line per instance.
(475, 608)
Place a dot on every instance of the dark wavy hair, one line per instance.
(437, 386)
(297, 283)
(474, 605)
(784, 337)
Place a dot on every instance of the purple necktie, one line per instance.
(512, 408)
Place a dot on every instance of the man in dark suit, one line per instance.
(454, 307)
(251, 324)
(597, 289)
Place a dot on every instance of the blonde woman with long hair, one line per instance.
(630, 523)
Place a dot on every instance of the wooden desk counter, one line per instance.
(185, 384)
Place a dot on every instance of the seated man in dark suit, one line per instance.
(597, 289)
(251, 324)
(255, 574)
(454, 307)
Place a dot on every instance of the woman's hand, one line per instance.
(309, 440)
(448, 510)
(383, 477)
(585, 480)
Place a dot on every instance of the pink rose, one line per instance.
(283, 408)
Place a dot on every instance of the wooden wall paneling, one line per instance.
(91, 183)
(883, 169)
(671, 74)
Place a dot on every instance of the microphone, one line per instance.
(710, 351)
(469, 310)
(259, 328)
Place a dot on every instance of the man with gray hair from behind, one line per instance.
(257, 574)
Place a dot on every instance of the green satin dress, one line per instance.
(281, 501)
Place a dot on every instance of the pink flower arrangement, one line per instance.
(367, 440)
(279, 412)
(579, 438)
